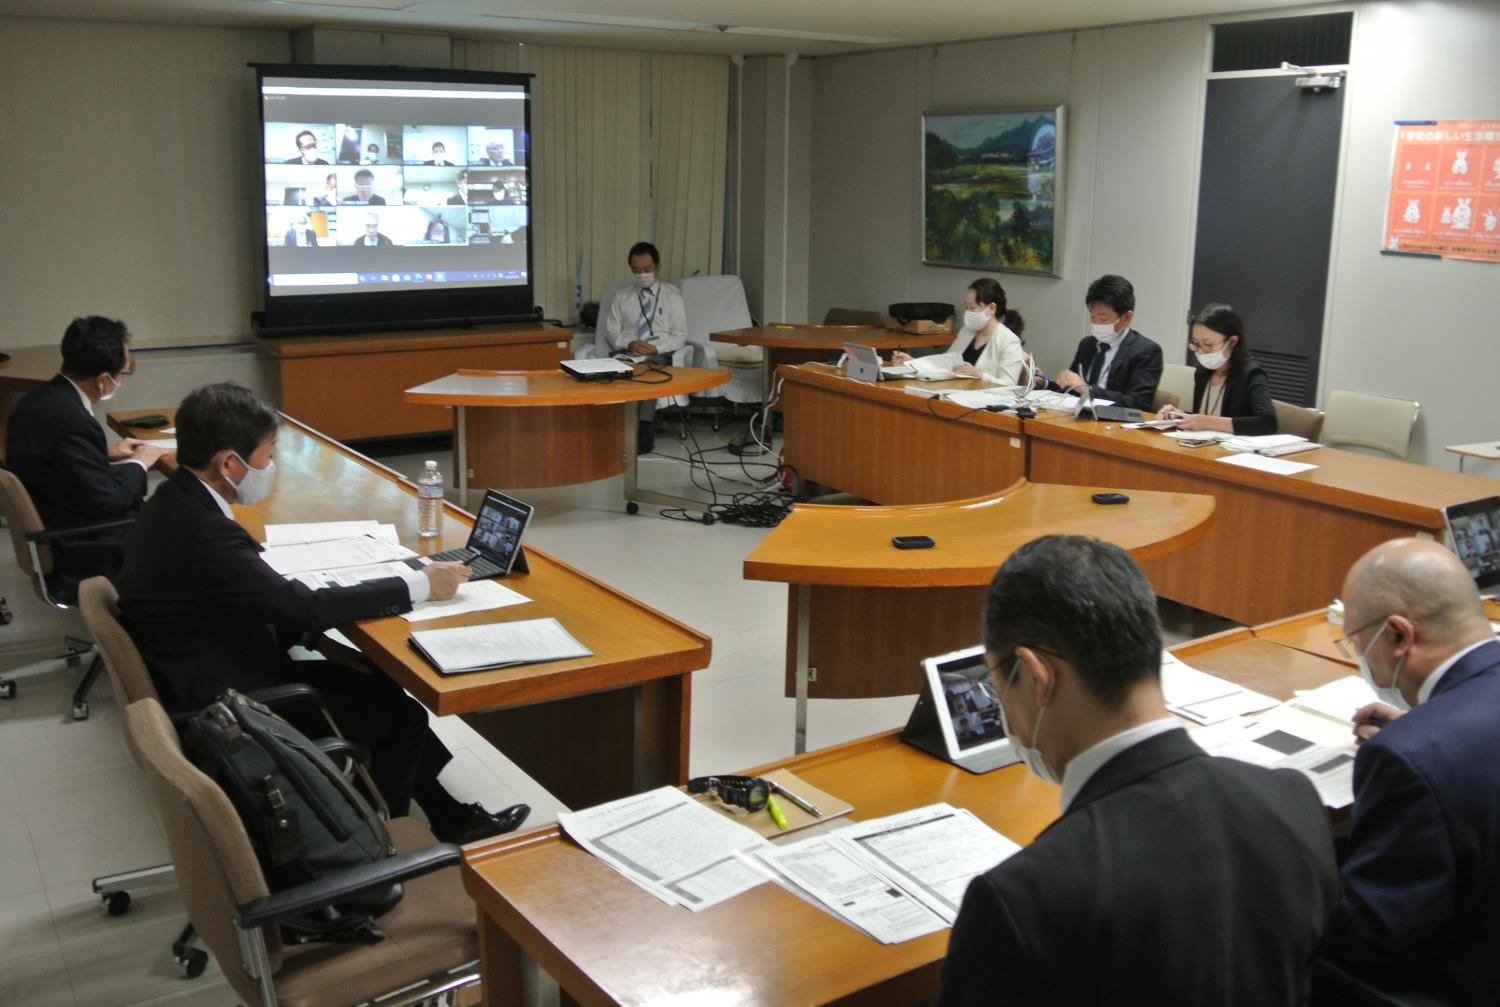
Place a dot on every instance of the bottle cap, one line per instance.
(430, 463)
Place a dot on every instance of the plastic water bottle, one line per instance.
(430, 501)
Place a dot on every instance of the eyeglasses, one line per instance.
(1200, 348)
(1346, 645)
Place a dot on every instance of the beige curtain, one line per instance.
(603, 122)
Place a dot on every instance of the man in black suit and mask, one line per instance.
(1114, 361)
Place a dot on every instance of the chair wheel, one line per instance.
(117, 903)
(81, 710)
(7, 690)
(193, 963)
(632, 508)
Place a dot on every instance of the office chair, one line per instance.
(1176, 382)
(1299, 420)
(430, 947)
(1370, 421)
(33, 546)
(131, 682)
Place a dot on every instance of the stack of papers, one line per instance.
(675, 848)
(496, 645)
(1261, 463)
(334, 554)
(1290, 738)
(1269, 444)
(327, 531)
(1205, 698)
(1197, 436)
(1337, 700)
(894, 878)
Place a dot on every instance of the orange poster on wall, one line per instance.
(1445, 190)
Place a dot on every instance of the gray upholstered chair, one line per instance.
(430, 948)
(1370, 421)
(1299, 420)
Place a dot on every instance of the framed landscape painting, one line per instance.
(991, 190)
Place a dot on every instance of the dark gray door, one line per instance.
(1265, 219)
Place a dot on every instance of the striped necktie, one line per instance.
(643, 327)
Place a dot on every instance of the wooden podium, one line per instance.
(353, 387)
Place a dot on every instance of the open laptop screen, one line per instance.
(498, 528)
(1474, 534)
(969, 710)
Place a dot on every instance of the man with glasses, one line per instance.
(307, 149)
(1172, 877)
(56, 447)
(1420, 881)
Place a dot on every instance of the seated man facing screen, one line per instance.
(56, 447)
(1172, 877)
(208, 614)
(649, 321)
(1416, 911)
(1114, 361)
(1231, 393)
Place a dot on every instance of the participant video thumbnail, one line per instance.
(498, 225)
(295, 227)
(502, 187)
(301, 185)
(494, 147)
(376, 185)
(403, 225)
(436, 186)
(433, 146)
(298, 142)
(369, 144)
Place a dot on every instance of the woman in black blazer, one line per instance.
(1230, 391)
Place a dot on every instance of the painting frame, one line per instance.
(1017, 152)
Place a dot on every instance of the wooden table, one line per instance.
(544, 428)
(350, 387)
(880, 443)
(862, 614)
(784, 343)
(1279, 544)
(588, 729)
(608, 942)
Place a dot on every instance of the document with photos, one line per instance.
(677, 849)
(1204, 698)
(335, 554)
(1289, 738)
(496, 645)
(837, 879)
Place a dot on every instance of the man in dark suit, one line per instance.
(56, 447)
(1114, 361)
(1417, 911)
(372, 236)
(496, 157)
(1172, 877)
(208, 614)
(307, 147)
(364, 189)
(462, 199)
(439, 156)
(300, 234)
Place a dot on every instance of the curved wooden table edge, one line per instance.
(962, 575)
(701, 379)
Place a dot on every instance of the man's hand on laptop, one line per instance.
(444, 579)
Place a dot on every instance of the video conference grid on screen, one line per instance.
(381, 185)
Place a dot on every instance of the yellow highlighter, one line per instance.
(776, 815)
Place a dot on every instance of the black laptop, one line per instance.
(494, 548)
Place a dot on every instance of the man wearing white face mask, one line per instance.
(1422, 875)
(207, 614)
(57, 448)
(647, 321)
(1172, 877)
(1113, 361)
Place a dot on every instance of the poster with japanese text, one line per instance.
(1445, 190)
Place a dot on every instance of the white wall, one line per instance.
(775, 187)
(1134, 100)
(1415, 328)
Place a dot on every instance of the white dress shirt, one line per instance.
(417, 584)
(88, 405)
(1092, 759)
(1425, 692)
(668, 329)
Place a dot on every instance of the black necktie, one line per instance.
(1097, 364)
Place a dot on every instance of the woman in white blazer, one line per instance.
(990, 339)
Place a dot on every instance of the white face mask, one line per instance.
(975, 320)
(1030, 755)
(1105, 332)
(645, 280)
(256, 484)
(118, 384)
(1212, 361)
(1388, 693)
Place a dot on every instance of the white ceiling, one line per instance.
(808, 27)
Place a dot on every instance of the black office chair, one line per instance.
(33, 546)
(1333, 986)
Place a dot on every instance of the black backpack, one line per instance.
(304, 818)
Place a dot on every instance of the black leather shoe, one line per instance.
(645, 437)
(476, 823)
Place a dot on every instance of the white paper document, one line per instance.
(1337, 700)
(497, 645)
(475, 596)
(350, 575)
(1197, 435)
(1262, 463)
(982, 398)
(838, 879)
(307, 557)
(163, 443)
(1287, 738)
(937, 367)
(932, 852)
(328, 531)
(679, 850)
(1205, 698)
